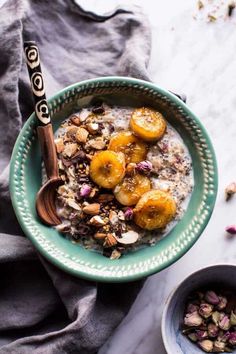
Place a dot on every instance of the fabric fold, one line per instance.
(44, 310)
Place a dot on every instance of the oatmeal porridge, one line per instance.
(127, 178)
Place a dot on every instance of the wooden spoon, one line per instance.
(45, 200)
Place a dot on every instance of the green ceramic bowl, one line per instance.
(25, 181)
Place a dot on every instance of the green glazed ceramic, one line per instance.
(25, 181)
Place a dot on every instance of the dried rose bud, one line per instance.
(201, 334)
(213, 330)
(216, 317)
(230, 190)
(206, 345)
(219, 347)
(223, 336)
(144, 167)
(233, 318)
(129, 214)
(232, 338)
(212, 298)
(231, 229)
(222, 304)
(224, 323)
(192, 308)
(193, 337)
(192, 319)
(85, 190)
(205, 310)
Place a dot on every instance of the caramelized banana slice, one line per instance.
(134, 149)
(148, 124)
(107, 168)
(154, 210)
(131, 189)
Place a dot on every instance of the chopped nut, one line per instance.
(73, 204)
(92, 128)
(93, 193)
(71, 132)
(82, 135)
(92, 209)
(97, 143)
(110, 241)
(84, 114)
(100, 236)
(75, 119)
(113, 217)
(230, 190)
(105, 198)
(97, 221)
(121, 215)
(115, 254)
(89, 156)
(59, 145)
(64, 228)
(70, 149)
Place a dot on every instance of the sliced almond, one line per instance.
(92, 209)
(113, 217)
(70, 149)
(128, 238)
(97, 221)
(81, 135)
(110, 241)
(97, 143)
(59, 145)
(92, 128)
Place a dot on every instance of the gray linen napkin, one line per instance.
(43, 309)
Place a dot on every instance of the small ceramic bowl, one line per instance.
(26, 179)
(222, 275)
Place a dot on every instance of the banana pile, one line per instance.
(116, 169)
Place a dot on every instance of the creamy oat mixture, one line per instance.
(90, 214)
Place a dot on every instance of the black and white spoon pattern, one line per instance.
(37, 84)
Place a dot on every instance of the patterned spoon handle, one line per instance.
(37, 84)
(44, 129)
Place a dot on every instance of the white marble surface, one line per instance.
(197, 58)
